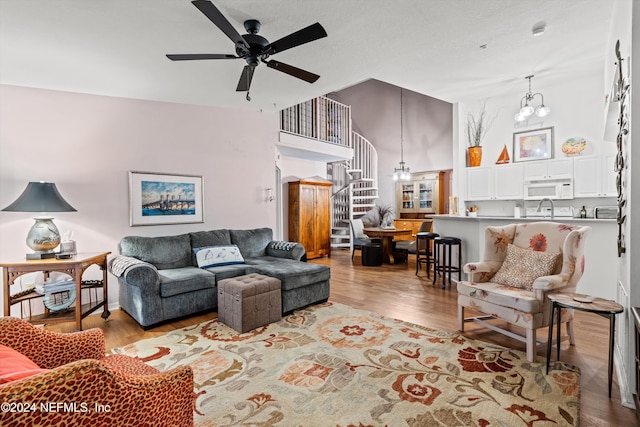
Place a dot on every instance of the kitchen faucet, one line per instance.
(540, 206)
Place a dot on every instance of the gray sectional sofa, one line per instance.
(159, 277)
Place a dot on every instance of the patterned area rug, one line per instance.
(333, 365)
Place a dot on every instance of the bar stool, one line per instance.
(424, 254)
(443, 261)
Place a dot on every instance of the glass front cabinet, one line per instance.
(418, 195)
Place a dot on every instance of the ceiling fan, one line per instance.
(254, 48)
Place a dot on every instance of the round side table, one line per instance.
(582, 302)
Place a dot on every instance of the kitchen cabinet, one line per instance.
(500, 182)
(480, 183)
(310, 216)
(594, 176)
(507, 181)
(419, 194)
(548, 169)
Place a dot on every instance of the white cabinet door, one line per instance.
(560, 168)
(548, 169)
(508, 181)
(594, 176)
(587, 177)
(535, 171)
(479, 183)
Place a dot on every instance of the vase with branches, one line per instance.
(477, 127)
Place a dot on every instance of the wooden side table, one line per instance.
(582, 302)
(75, 267)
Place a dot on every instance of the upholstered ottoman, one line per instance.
(248, 302)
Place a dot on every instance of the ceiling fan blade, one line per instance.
(293, 71)
(194, 56)
(245, 79)
(305, 35)
(215, 16)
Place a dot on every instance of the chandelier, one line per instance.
(402, 173)
(526, 110)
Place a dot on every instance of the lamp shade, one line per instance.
(40, 197)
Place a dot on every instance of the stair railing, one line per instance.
(329, 121)
(321, 118)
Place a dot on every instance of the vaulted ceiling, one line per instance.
(118, 47)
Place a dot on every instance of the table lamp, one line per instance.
(41, 197)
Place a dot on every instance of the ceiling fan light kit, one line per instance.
(527, 110)
(254, 48)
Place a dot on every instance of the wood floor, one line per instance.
(395, 291)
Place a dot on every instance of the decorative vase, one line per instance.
(387, 221)
(474, 156)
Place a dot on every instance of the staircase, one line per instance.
(355, 181)
(355, 189)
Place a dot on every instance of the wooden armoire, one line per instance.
(310, 216)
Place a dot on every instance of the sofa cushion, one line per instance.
(200, 239)
(228, 271)
(292, 274)
(15, 365)
(186, 279)
(211, 256)
(505, 296)
(163, 252)
(511, 315)
(210, 238)
(252, 243)
(521, 267)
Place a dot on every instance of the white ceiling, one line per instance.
(118, 47)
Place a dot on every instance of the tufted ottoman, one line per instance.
(248, 302)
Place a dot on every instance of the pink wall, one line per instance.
(86, 144)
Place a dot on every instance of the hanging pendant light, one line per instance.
(526, 110)
(402, 173)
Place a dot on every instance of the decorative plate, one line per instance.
(574, 146)
(585, 298)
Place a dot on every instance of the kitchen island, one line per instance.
(599, 277)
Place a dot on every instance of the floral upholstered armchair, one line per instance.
(522, 263)
(66, 380)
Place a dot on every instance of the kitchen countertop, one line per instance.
(511, 218)
(600, 252)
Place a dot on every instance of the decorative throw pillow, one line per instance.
(214, 256)
(15, 365)
(521, 267)
(283, 246)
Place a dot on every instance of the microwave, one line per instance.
(555, 190)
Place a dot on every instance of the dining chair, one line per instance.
(357, 235)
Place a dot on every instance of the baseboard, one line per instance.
(626, 396)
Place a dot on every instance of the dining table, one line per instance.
(386, 235)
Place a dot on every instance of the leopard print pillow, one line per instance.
(521, 267)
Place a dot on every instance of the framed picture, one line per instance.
(533, 145)
(161, 199)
